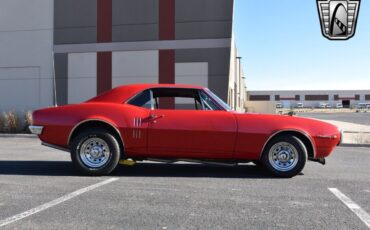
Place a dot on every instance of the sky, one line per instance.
(283, 48)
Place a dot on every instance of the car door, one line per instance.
(191, 133)
(135, 134)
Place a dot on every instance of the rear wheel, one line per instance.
(95, 152)
(285, 156)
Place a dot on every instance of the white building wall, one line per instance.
(237, 91)
(195, 73)
(232, 76)
(132, 67)
(26, 41)
(343, 94)
(81, 77)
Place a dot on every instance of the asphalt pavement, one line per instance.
(39, 189)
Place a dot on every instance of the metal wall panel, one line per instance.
(75, 21)
(61, 75)
(135, 20)
(218, 66)
(81, 77)
(204, 19)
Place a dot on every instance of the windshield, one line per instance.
(219, 101)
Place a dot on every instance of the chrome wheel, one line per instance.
(95, 152)
(283, 156)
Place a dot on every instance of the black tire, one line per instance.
(112, 160)
(286, 172)
(258, 163)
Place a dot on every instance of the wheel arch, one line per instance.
(95, 123)
(303, 136)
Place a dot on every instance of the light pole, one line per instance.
(244, 89)
(239, 78)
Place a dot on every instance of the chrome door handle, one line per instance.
(154, 117)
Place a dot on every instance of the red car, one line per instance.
(172, 123)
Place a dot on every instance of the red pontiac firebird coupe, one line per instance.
(172, 123)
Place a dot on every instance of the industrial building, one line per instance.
(71, 50)
(318, 98)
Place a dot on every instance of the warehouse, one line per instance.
(318, 98)
(68, 51)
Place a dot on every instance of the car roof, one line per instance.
(122, 93)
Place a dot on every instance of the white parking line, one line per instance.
(54, 202)
(362, 214)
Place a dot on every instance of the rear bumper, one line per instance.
(36, 129)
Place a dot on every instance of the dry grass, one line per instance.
(27, 121)
(12, 122)
(2, 123)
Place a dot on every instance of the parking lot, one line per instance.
(357, 118)
(40, 189)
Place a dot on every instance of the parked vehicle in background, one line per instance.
(360, 106)
(279, 105)
(328, 106)
(363, 105)
(299, 105)
(339, 106)
(322, 105)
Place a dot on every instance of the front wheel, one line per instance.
(95, 152)
(285, 156)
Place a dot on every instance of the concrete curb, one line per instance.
(355, 145)
(356, 132)
(11, 135)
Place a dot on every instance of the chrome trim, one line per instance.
(94, 152)
(327, 137)
(201, 100)
(289, 130)
(283, 156)
(220, 107)
(137, 123)
(164, 87)
(341, 137)
(55, 147)
(36, 129)
(88, 120)
(151, 100)
(214, 100)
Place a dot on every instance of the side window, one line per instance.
(208, 102)
(177, 98)
(187, 103)
(142, 100)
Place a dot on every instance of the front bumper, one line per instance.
(341, 137)
(35, 129)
